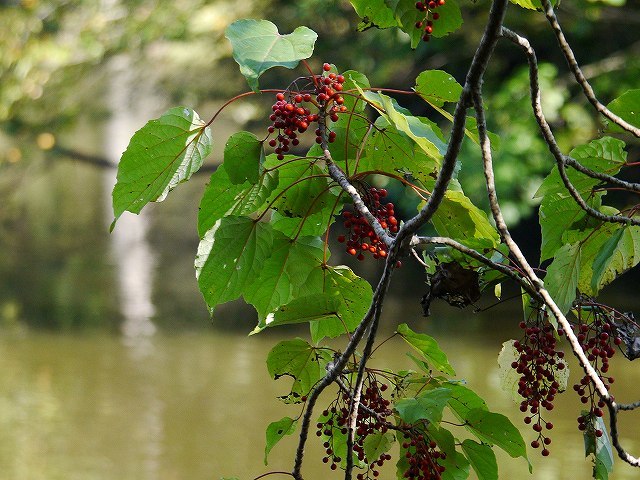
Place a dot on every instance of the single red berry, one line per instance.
(326, 67)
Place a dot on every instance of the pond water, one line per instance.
(195, 406)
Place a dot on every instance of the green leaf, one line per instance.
(420, 132)
(407, 15)
(618, 254)
(257, 47)
(600, 448)
(592, 242)
(428, 347)
(313, 225)
(463, 400)
(562, 276)
(450, 19)
(354, 295)
(355, 81)
(482, 459)
(230, 256)
(307, 308)
(626, 106)
(604, 155)
(531, 4)
(438, 87)
(243, 157)
(303, 187)
(558, 212)
(276, 431)
(299, 360)
(496, 429)
(162, 154)
(374, 13)
(377, 443)
(456, 467)
(426, 406)
(460, 219)
(388, 150)
(222, 198)
(285, 274)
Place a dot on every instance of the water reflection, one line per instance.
(131, 107)
(195, 407)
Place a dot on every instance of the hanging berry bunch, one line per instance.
(430, 16)
(371, 418)
(422, 455)
(292, 113)
(538, 365)
(361, 238)
(597, 336)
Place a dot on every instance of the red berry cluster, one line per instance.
(291, 117)
(430, 16)
(361, 237)
(371, 418)
(598, 340)
(422, 455)
(537, 365)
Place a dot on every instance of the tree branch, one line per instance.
(472, 82)
(545, 129)
(421, 241)
(548, 300)
(579, 76)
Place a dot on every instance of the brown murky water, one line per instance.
(195, 406)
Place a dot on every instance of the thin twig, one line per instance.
(545, 129)
(577, 72)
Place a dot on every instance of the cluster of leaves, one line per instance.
(264, 222)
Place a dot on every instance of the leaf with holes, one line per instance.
(438, 87)
(300, 361)
(276, 431)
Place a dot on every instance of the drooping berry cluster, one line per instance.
(597, 336)
(430, 16)
(538, 364)
(292, 117)
(371, 417)
(422, 455)
(361, 238)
